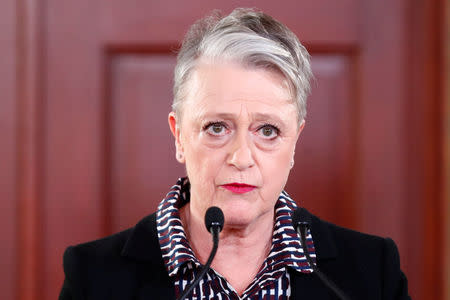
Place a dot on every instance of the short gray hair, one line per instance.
(248, 37)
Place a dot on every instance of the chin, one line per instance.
(237, 220)
(240, 217)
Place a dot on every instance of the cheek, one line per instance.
(203, 167)
(203, 163)
(279, 159)
(276, 167)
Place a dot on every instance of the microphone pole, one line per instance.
(214, 221)
(301, 224)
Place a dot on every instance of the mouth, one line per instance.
(239, 188)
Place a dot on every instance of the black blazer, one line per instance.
(128, 265)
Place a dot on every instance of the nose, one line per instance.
(241, 154)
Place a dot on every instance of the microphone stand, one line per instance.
(214, 222)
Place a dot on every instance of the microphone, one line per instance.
(301, 222)
(214, 221)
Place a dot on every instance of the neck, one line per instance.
(242, 249)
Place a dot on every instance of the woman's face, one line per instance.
(237, 137)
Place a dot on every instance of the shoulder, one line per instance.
(367, 244)
(334, 239)
(113, 263)
(359, 261)
(95, 255)
(353, 240)
(111, 247)
(370, 251)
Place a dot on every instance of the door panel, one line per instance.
(323, 174)
(142, 148)
(8, 149)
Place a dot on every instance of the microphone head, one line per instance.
(300, 216)
(214, 217)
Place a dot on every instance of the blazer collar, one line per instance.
(308, 285)
(143, 244)
(324, 241)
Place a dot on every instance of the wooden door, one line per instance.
(105, 157)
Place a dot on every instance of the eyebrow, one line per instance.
(262, 117)
(255, 116)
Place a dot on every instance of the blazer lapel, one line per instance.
(143, 244)
(309, 285)
(306, 286)
(143, 247)
(324, 242)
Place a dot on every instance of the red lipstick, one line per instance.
(239, 188)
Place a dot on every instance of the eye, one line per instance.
(215, 128)
(268, 131)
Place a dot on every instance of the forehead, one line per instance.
(229, 88)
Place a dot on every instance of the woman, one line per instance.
(241, 83)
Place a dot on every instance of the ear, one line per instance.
(300, 129)
(175, 129)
